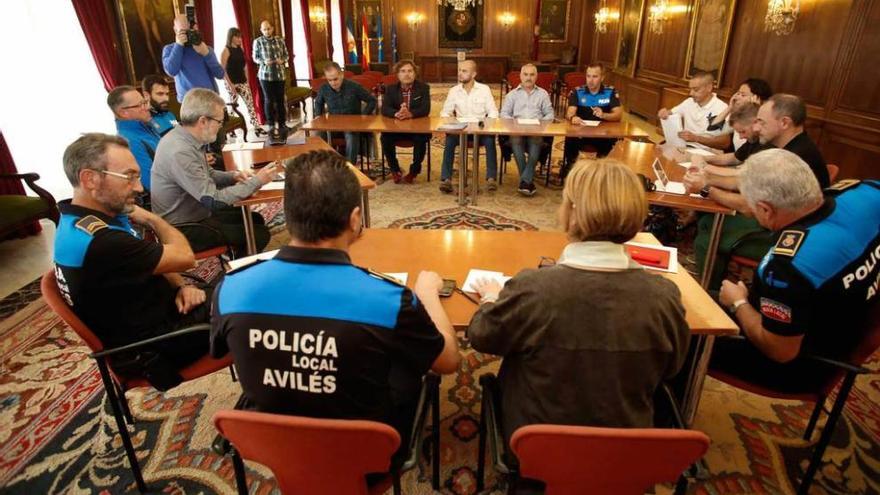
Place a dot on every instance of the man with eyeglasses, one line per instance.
(186, 190)
(123, 287)
(133, 122)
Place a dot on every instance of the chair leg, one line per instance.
(435, 431)
(811, 425)
(123, 404)
(395, 483)
(232, 372)
(238, 468)
(825, 438)
(110, 388)
(681, 485)
(429, 160)
(481, 453)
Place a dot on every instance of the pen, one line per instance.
(468, 296)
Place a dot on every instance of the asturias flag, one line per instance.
(365, 43)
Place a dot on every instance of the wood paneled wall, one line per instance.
(830, 60)
(515, 41)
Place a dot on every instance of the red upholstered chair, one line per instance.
(114, 384)
(570, 82)
(622, 461)
(846, 373)
(389, 79)
(510, 81)
(327, 456)
(547, 81)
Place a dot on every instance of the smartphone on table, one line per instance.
(448, 287)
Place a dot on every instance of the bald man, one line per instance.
(698, 111)
(270, 53)
(191, 65)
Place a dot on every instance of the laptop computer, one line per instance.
(663, 183)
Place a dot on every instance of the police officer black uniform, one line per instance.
(313, 335)
(818, 281)
(606, 99)
(105, 273)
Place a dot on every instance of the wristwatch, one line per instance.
(736, 305)
(704, 192)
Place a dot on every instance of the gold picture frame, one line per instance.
(460, 28)
(146, 26)
(710, 37)
(373, 11)
(554, 15)
(632, 13)
(265, 10)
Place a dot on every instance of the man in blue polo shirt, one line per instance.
(134, 123)
(593, 102)
(156, 90)
(191, 66)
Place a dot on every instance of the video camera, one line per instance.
(193, 36)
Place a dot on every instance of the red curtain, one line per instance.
(13, 186)
(205, 18)
(97, 25)
(287, 19)
(307, 30)
(243, 19)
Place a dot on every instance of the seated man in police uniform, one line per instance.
(314, 335)
(595, 101)
(125, 288)
(812, 291)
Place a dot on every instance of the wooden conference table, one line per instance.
(245, 159)
(494, 127)
(452, 253)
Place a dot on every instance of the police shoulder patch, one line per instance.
(90, 224)
(843, 185)
(789, 242)
(775, 310)
(384, 277)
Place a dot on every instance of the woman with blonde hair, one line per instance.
(590, 340)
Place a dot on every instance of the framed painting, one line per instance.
(460, 28)
(146, 27)
(553, 24)
(265, 10)
(710, 34)
(373, 10)
(630, 31)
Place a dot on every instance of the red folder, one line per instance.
(650, 257)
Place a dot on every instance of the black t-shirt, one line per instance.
(822, 275)
(606, 99)
(802, 146)
(105, 272)
(313, 335)
(750, 148)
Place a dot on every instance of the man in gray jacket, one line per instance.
(188, 193)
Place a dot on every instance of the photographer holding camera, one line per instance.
(189, 60)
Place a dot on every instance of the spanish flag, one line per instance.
(365, 43)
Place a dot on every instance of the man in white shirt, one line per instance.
(469, 99)
(698, 111)
(527, 101)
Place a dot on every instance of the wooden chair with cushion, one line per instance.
(18, 210)
(235, 119)
(296, 97)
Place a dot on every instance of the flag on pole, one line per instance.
(351, 41)
(380, 46)
(365, 43)
(394, 55)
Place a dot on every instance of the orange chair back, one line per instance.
(309, 455)
(374, 74)
(546, 80)
(365, 81)
(513, 79)
(584, 459)
(348, 74)
(833, 170)
(574, 79)
(52, 295)
(389, 79)
(317, 83)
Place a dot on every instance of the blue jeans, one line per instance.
(487, 142)
(526, 168)
(352, 144)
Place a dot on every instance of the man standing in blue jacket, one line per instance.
(192, 66)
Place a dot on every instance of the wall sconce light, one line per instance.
(319, 18)
(507, 19)
(414, 20)
(603, 17)
(658, 15)
(781, 16)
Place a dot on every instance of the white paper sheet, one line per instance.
(699, 151)
(591, 123)
(671, 127)
(528, 121)
(240, 262)
(467, 120)
(243, 146)
(273, 186)
(399, 276)
(475, 274)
